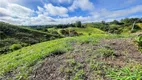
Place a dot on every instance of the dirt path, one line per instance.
(86, 63)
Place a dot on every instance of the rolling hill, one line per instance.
(94, 54)
(78, 58)
(19, 36)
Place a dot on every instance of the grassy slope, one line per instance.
(89, 30)
(127, 30)
(85, 31)
(20, 62)
(11, 34)
(124, 29)
(140, 25)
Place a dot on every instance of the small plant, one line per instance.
(72, 62)
(104, 52)
(139, 41)
(58, 51)
(68, 70)
(80, 75)
(15, 46)
(126, 73)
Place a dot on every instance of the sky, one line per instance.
(46, 12)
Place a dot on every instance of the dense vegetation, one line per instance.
(117, 27)
(14, 37)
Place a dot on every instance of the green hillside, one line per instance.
(74, 31)
(15, 37)
(23, 60)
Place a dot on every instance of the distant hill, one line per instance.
(19, 36)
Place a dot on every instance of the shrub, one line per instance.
(58, 51)
(2, 35)
(64, 32)
(3, 50)
(139, 41)
(15, 46)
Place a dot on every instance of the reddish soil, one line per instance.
(53, 67)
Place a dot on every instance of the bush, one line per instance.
(15, 46)
(4, 50)
(58, 51)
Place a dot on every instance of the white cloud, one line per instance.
(41, 19)
(72, 19)
(64, 1)
(56, 10)
(126, 11)
(15, 10)
(60, 1)
(16, 14)
(19, 11)
(3, 3)
(118, 13)
(11, 20)
(4, 12)
(82, 4)
(128, 2)
(40, 10)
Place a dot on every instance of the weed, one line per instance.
(139, 40)
(68, 70)
(126, 73)
(80, 75)
(104, 52)
(61, 68)
(71, 62)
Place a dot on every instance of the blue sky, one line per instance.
(42, 12)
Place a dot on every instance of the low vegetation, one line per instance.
(22, 60)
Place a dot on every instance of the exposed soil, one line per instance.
(54, 67)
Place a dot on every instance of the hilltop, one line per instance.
(105, 56)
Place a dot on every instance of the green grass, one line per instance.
(85, 31)
(104, 52)
(126, 73)
(20, 62)
(89, 30)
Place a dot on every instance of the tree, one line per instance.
(103, 22)
(115, 22)
(126, 20)
(136, 20)
(78, 24)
